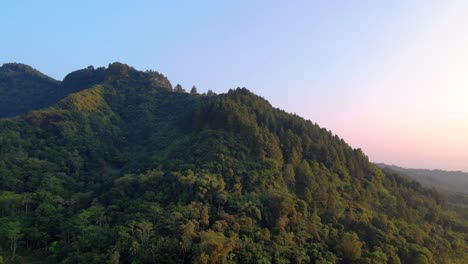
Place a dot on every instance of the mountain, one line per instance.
(452, 183)
(126, 169)
(23, 88)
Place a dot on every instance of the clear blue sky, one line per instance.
(358, 68)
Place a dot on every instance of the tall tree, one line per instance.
(194, 90)
(179, 89)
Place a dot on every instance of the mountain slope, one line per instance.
(130, 171)
(23, 88)
(452, 183)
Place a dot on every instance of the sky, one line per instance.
(390, 77)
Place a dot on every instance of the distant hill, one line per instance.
(452, 183)
(23, 88)
(126, 169)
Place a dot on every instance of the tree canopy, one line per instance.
(128, 170)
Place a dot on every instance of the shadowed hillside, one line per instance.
(23, 88)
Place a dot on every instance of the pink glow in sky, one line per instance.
(412, 107)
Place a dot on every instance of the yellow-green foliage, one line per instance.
(87, 100)
(214, 247)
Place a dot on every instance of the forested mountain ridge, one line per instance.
(454, 184)
(23, 88)
(128, 170)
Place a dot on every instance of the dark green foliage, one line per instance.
(194, 90)
(129, 171)
(23, 88)
(82, 79)
(178, 89)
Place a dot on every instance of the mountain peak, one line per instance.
(120, 69)
(13, 69)
(23, 88)
(13, 66)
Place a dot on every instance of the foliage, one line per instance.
(452, 184)
(23, 88)
(129, 171)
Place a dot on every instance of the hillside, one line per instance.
(23, 88)
(454, 184)
(130, 171)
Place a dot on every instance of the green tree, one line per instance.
(352, 247)
(194, 90)
(214, 247)
(13, 232)
(179, 89)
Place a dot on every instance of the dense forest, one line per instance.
(453, 184)
(121, 167)
(23, 88)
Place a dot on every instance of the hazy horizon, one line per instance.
(387, 77)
